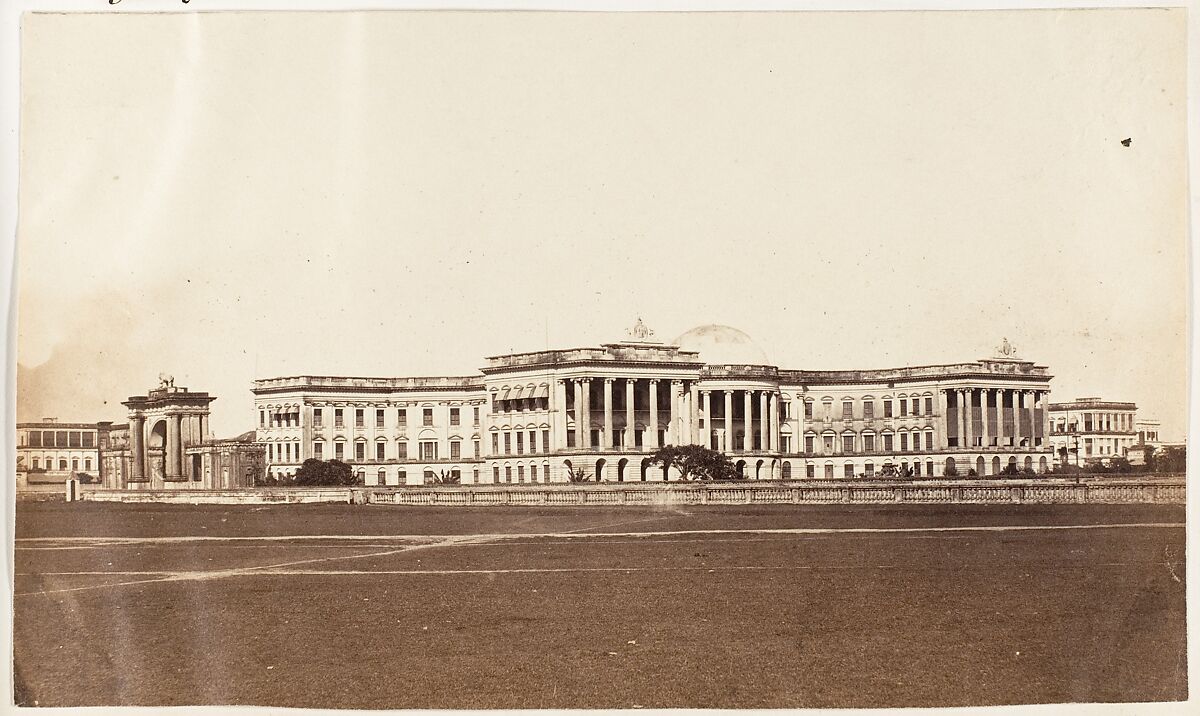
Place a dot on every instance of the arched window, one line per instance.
(62, 463)
(786, 470)
(381, 478)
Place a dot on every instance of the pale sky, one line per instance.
(231, 196)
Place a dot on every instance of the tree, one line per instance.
(696, 461)
(1011, 469)
(446, 477)
(577, 474)
(1172, 459)
(324, 472)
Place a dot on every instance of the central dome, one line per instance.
(722, 345)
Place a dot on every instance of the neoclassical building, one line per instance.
(601, 411)
(1091, 430)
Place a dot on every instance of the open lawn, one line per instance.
(763, 606)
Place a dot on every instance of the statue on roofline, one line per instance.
(640, 331)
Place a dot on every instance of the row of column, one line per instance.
(1022, 400)
(686, 422)
(173, 468)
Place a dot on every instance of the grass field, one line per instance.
(765, 606)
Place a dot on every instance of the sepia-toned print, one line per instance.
(555, 360)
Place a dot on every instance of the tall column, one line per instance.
(728, 446)
(630, 418)
(607, 440)
(203, 428)
(764, 421)
(578, 412)
(173, 446)
(1001, 434)
(983, 409)
(748, 421)
(694, 436)
(773, 409)
(137, 426)
(560, 418)
(1029, 399)
(587, 412)
(706, 398)
(1046, 421)
(676, 399)
(943, 423)
(653, 437)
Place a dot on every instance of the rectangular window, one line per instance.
(380, 449)
(903, 407)
(455, 450)
(454, 416)
(869, 469)
(532, 441)
(829, 472)
(869, 409)
(887, 408)
(929, 406)
(887, 442)
(475, 448)
(849, 471)
(60, 438)
(339, 451)
(507, 443)
(916, 469)
(808, 408)
(903, 442)
(475, 415)
(318, 447)
(358, 418)
(809, 444)
(847, 410)
(828, 444)
(847, 443)
(379, 417)
(427, 417)
(262, 419)
(545, 441)
(507, 473)
(868, 443)
(533, 473)
(495, 473)
(495, 443)
(916, 406)
(401, 417)
(810, 471)
(401, 449)
(520, 473)
(87, 440)
(475, 476)
(337, 418)
(929, 441)
(785, 443)
(35, 438)
(360, 451)
(429, 450)
(520, 443)
(318, 417)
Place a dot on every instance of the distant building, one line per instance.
(601, 411)
(1147, 432)
(164, 445)
(1092, 430)
(49, 452)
